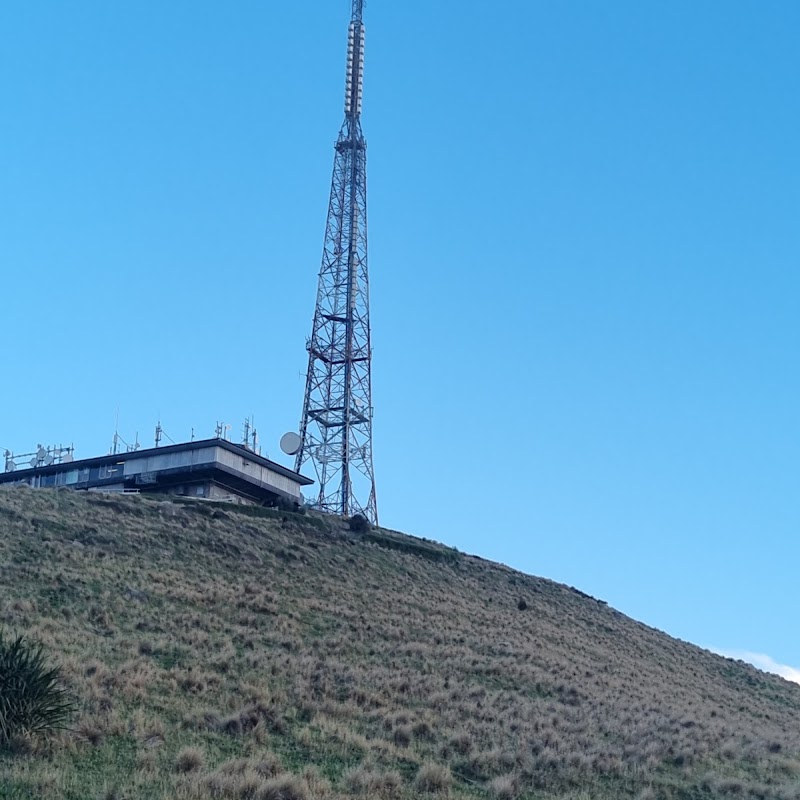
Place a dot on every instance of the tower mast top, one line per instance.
(354, 85)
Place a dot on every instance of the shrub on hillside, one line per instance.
(32, 697)
(359, 524)
(288, 506)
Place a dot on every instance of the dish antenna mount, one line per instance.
(291, 443)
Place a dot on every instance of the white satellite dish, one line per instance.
(291, 443)
(11, 466)
(34, 461)
(49, 460)
(68, 458)
(41, 453)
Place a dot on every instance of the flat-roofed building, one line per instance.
(215, 469)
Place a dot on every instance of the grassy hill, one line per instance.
(223, 652)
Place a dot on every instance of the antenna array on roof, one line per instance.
(41, 457)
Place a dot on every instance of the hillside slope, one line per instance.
(235, 653)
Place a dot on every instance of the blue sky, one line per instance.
(583, 252)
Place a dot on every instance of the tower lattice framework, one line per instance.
(336, 428)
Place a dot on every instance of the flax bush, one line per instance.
(32, 697)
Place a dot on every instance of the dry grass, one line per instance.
(233, 653)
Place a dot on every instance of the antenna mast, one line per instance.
(336, 427)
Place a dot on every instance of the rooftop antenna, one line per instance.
(246, 437)
(158, 433)
(115, 440)
(164, 434)
(129, 448)
(336, 424)
(41, 457)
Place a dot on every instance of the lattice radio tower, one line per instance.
(336, 428)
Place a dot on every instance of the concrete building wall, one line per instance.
(162, 461)
(216, 492)
(248, 468)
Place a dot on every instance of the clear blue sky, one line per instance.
(584, 255)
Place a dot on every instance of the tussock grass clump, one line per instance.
(504, 787)
(190, 759)
(240, 785)
(423, 730)
(461, 743)
(434, 778)
(33, 699)
(90, 732)
(260, 777)
(373, 782)
(284, 787)
(403, 735)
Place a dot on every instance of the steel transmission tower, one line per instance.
(336, 429)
